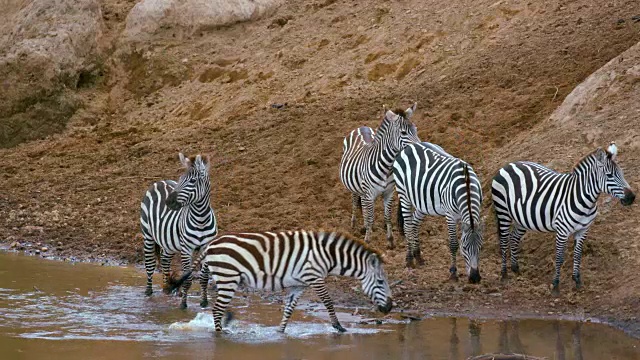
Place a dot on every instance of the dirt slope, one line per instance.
(486, 74)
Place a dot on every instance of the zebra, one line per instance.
(365, 167)
(292, 260)
(433, 182)
(178, 218)
(533, 197)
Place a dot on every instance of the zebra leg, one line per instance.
(388, 204)
(293, 294)
(149, 263)
(165, 266)
(516, 235)
(579, 237)
(204, 281)
(414, 241)
(453, 247)
(355, 206)
(187, 260)
(503, 240)
(367, 213)
(561, 244)
(320, 288)
(226, 288)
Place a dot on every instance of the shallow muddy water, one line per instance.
(57, 310)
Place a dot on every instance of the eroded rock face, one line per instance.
(185, 17)
(605, 106)
(47, 49)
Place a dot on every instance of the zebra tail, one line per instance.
(467, 181)
(158, 250)
(400, 220)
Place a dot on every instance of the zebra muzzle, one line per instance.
(629, 197)
(474, 276)
(386, 308)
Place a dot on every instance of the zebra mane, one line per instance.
(586, 158)
(401, 113)
(350, 237)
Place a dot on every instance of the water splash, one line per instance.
(242, 331)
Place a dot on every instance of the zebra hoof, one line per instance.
(148, 292)
(183, 305)
(204, 303)
(555, 290)
(453, 277)
(515, 268)
(578, 281)
(390, 245)
(363, 231)
(339, 327)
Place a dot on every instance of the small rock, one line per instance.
(59, 243)
(15, 244)
(44, 249)
(37, 252)
(242, 148)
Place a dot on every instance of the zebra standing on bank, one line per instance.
(178, 218)
(533, 197)
(435, 183)
(292, 260)
(365, 168)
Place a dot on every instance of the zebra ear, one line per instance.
(184, 160)
(390, 115)
(612, 150)
(374, 260)
(411, 110)
(601, 155)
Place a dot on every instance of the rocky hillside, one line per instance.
(487, 76)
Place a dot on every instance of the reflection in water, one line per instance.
(101, 313)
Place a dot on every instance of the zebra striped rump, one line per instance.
(293, 261)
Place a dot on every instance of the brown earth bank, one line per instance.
(487, 75)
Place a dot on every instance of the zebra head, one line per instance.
(399, 128)
(613, 177)
(193, 185)
(375, 284)
(470, 244)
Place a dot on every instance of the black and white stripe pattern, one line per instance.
(293, 261)
(530, 196)
(365, 168)
(432, 182)
(178, 218)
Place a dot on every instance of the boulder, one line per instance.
(47, 48)
(186, 17)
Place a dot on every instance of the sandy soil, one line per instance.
(486, 74)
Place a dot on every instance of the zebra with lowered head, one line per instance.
(432, 182)
(530, 196)
(292, 260)
(365, 168)
(176, 217)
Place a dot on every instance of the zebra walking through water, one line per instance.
(433, 182)
(365, 168)
(292, 260)
(530, 196)
(178, 218)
